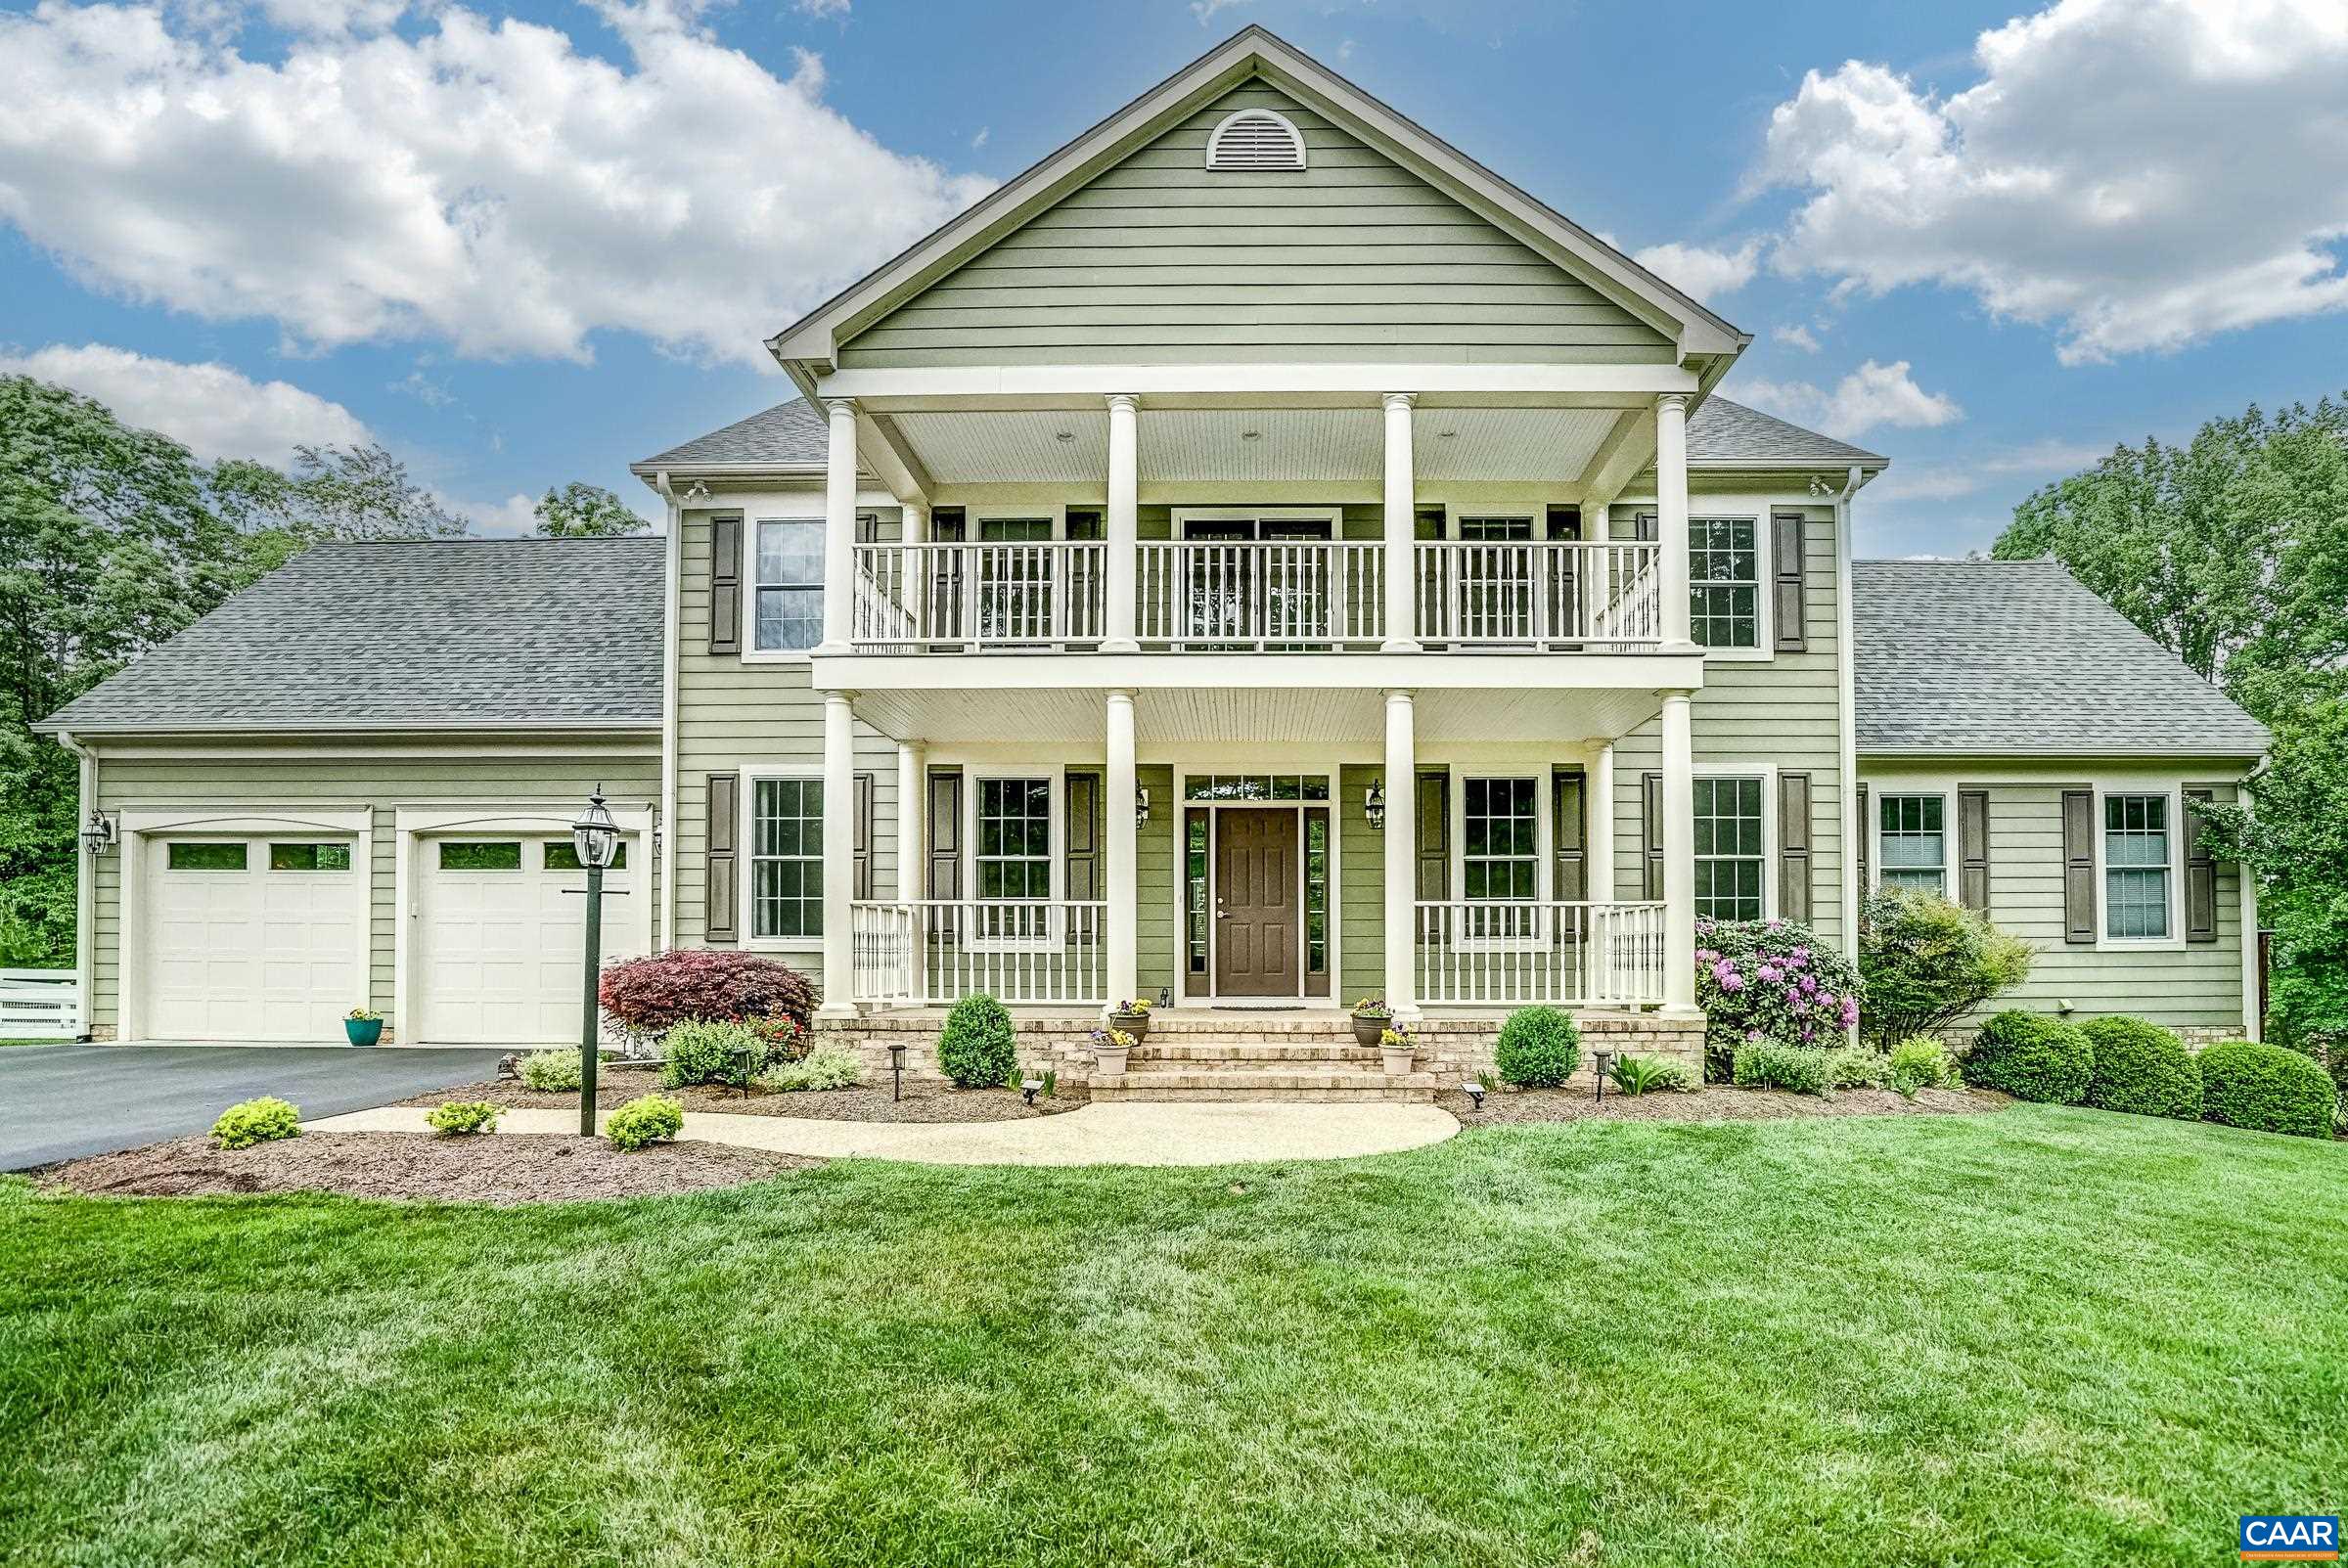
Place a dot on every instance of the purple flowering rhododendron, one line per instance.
(1772, 979)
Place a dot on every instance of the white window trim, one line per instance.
(1543, 837)
(745, 919)
(1054, 513)
(1765, 629)
(1948, 831)
(1208, 765)
(2106, 942)
(1767, 773)
(1334, 516)
(1056, 812)
(747, 576)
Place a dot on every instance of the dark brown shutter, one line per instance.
(721, 898)
(1085, 523)
(2201, 874)
(1785, 532)
(1426, 522)
(1084, 836)
(1433, 805)
(725, 585)
(1866, 835)
(1647, 527)
(948, 525)
(864, 837)
(2078, 866)
(1569, 834)
(945, 833)
(1651, 835)
(1564, 523)
(1972, 849)
(1793, 846)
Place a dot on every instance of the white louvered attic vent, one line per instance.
(1256, 139)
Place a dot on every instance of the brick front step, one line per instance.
(1287, 1097)
(1263, 1051)
(1260, 1081)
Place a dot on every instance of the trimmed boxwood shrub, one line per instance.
(1539, 1048)
(978, 1047)
(2032, 1057)
(646, 1119)
(257, 1121)
(2266, 1089)
(1766, 1064)
(2143, 1069)
(713, 1053)
(650, 996)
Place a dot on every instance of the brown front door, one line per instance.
(1255, 902)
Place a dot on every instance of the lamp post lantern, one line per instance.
(595, 838)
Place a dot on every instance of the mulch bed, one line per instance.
(1712, 1102)
(926, 1101)
(504, 1168)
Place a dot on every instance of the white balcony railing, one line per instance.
(977, 596)
(1289, 595)
(1534, 594)
(911, 953)
(1512, 952)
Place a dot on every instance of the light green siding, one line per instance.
(1160, 260)
(1783, 711)
(363, 775)
(1153, 920)
(1361, 888)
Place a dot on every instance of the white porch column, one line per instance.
(839, 854)
(840, 525)
(1679, 856)
(1401, 498)
(1671, 513)
(1123, 532)
(1401, 854)
(1602, 827)
(1598, 576)
(916, 530)
(1123, 891)
(913, 846)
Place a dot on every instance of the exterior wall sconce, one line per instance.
(1141, 808)
(1373, 807)
(98, 833)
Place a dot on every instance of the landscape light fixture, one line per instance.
(897, 1066)
(1601, 1059)
(1475, 1093)
(1030, 1087)
(594, 836)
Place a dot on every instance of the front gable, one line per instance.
(1160, 259)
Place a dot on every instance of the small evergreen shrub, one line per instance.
(713, 1053)
(1766, 1064)
(824, 1067)
(460, 1117)
(646, 1119)
(2266, 1089)
(2143, 1069)
(1539, 1048)
(978, 1049)
(2032, 1057)
(1921, 1061)
(1768, 980)
(1857, 1067)
(257, 1121)
(550, 1072)
(1925, 962)
(1643, 1075)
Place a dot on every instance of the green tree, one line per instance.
(353, 492)
(582, 511)
(2233, 551)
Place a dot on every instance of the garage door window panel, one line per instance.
(561, 855)
(472, 855)
(199, 855)
(309, 857)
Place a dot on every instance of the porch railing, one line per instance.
(911, 952)
(1281, 596)
(1540, 594)
(1515, 952)
(977, 596)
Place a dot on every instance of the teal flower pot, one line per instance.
(363, 1031)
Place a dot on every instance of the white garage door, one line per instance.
(501, 934)
(253, 938)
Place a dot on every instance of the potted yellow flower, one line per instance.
(1371, 1015)
(1133, 1017)
(1395, 1049)
(1110, 1046)
(363, 1026)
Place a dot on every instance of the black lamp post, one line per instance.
(595, 838)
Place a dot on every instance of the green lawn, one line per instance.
(2042, 1336)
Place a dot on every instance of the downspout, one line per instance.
(85, 885)
(667, 836)
(1846, 697)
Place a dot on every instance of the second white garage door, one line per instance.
(501, 930)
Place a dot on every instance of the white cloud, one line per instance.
(1206, 10)
(212, 410)
(1870, 396)
(484, 184)
(821, 8)
(979, 141)
(329, 16)
(2033, 465)
(1797, 335)
(1699, 270)
(2136, 174)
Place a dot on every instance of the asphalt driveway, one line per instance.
(64, 1101)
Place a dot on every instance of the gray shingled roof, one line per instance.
(411, 634)
(2001, 656)
(1727, 433)
(788, 432)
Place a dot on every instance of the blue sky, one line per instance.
(1989, 244)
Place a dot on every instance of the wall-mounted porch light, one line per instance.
(1373, 806)
(98, 833)
(1141, 808)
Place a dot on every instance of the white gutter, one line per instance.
(1846, 698)
(665, 836)
(86, 884)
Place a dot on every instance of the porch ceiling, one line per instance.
(1244, 445)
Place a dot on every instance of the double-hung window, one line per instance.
(1914, 843)
(2138, 867)
(1500, 856)
(786, 858)
(1724, 582)
(1731, 856)
(1011, 859)
(788, 609)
